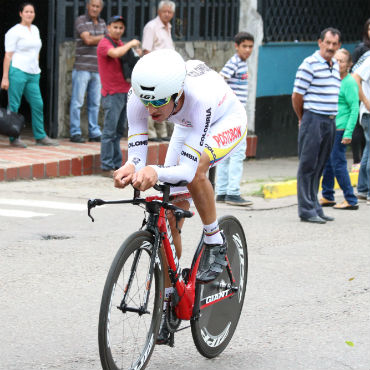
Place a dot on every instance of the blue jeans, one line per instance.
(336, 166)
(83, 81)
(114, 120)
(363, 185)
(230, 170)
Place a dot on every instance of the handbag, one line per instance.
(11, 123)
(128, 61)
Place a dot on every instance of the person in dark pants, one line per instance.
(114, 92)
(315, 102)
(360, 53)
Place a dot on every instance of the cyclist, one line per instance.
(209, 122)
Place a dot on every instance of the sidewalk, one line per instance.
(270, 178)
(67, 159)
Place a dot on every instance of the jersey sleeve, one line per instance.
(137, 142)
(186, 148)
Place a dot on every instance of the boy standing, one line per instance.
(229, 171)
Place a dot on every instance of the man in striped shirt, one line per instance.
(90, 29)
(315, 102)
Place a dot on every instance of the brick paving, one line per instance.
(67, 159)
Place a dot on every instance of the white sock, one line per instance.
(212, 233)
(167, 293)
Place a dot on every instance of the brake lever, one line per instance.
(91, 203)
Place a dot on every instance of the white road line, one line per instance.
(22, 214)
(44, 204)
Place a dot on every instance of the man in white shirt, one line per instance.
(362, 76)
(157, 35)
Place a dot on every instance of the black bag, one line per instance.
(128, 61)
(11, 123)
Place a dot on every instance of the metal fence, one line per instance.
(193, 20)
(303, 20)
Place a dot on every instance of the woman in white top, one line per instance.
(21, 73)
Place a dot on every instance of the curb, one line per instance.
(66, 162)
(282, 189)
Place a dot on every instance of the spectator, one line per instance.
(114, 91)
(90, 29)
(157, 35)
(21, 73)
(229, 171)
(315, 101)
(336, 166)
(360, 53)
(362, 76)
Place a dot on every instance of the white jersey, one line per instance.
(209, 103)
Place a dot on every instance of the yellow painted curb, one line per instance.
(282, 189)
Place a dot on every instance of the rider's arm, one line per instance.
(137, 142)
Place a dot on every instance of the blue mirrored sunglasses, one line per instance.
(156, 103)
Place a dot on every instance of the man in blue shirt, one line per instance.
(315, 102)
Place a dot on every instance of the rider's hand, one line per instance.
(145, 178)
(123, 176)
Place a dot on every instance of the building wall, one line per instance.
(214, 53)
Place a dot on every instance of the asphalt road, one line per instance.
(307, 303)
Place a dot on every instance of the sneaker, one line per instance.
(212, 262)
(361, 196)
(237, 200)
(356, 167)
(94, 139)
(220, 198)
(77, 139)
(164, 333)
(346, 205)
(46, 141)
(107, 173)
(18, 143)
(327, 203)
(155, 139)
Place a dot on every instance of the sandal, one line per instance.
(346, 205)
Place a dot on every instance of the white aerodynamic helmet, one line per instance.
(159, 75)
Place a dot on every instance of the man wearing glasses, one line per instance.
(209, 122)
(114, 93)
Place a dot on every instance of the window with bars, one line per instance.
(303, 20)
(193, 20)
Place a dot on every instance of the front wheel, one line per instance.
(217, 304)
(127, 332)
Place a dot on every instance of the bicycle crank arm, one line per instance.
(140, 310)
(223, 285)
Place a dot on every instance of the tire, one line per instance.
(214, 323)
(127, 340)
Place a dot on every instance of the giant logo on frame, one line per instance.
(228, 137)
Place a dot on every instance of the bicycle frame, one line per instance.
(159, 226)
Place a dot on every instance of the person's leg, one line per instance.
(17, 82)
(80, 80)
(340, 168)
(152, 133)
(236, 168)
(327, 135)
(308, 152)
(161, 129)
(222, 178)
(32, 94)
(93, 104)
(328, 174)
(362, 183)
(117, 153)
(357, 143)
(111, 116)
